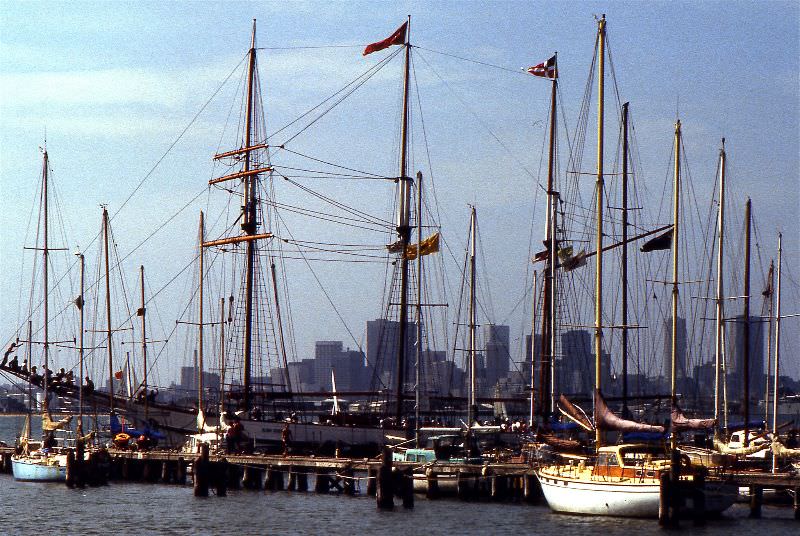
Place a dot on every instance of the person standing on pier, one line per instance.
(286, 437)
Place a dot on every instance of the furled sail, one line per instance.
(742, 451)
(681, 422)
(48, 424)
(574, 413)
(605, 419)
(781, 451)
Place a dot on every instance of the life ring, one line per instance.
(122, 437)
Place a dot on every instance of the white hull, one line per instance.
(39, 469)
(574, 496)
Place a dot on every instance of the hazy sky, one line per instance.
(114, 84)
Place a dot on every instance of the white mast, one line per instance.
(777, 352)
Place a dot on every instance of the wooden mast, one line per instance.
(548, 331)
(108, 316)
(746, 326)
(80, 303)
(473, 383)
(777, 353)
(249, 225)
(718, 347)
(222, 358)
(144, 349)
(403, 232)
(45, 274)
(624, 289)
(532, 345)
(418, 371)
(676, 197)
(771, 297)
(599, 185)
(201, 232)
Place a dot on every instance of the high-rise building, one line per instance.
(496, 353)
(382, 341)
(576, 371)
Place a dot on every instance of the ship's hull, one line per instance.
(36, 469)
(587, 497)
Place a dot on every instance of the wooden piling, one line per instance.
(165, 472)
(292, 484)
(180, 472)
(432, 491)
(462, 486)
(221, 477)
(385, 489)
(322, 484)
(201, 467)
(80, 480)
(148, 472)
(663, 500)
(372, 482)
(796, 504)
(499, 487)
(407, 479)
(756, 500)
(70, 480)
(348, 480)
(302, 479)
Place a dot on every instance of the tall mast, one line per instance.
(598, 284)
(746, 320)
(625, 259)
(201, 238)
(45, 272)
(771, 297)
(81, 302)
(222, 358)
(473, 384)
(108, 315)
(144, 348)
(718, 348)
(418, 371)
(548, 331)
(777, 353)
(533, 341)
(280, 327)
(249, 226)
(403, 231)
(676, 198)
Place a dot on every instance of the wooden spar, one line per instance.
(80, 343)
(241, 174)
(403, 232)
(144, 350)
(624, 311)
(718, 348)
(676, 194)
(236, 239)
(201, 276)
(548, 299)
(45, 272)
(108, 316)
(418, 371)
(249, 227)
(533, 361)
(777, 353)
(746, 322)
(598, 284)
(473, 372)
(771, 297)
(241, 150)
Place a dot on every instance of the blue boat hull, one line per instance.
(37, 470)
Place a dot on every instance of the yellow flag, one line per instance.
(426, 247)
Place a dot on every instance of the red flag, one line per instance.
(397, 38)
(547, 69)
(118, 375)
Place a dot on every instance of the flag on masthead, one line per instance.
(397, 38)
(546, 69)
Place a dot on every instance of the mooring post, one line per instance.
(70, 480)
(221, 477)
(663, 499)
(302, 479)
(461, 485)
(201, 473)
(372, 482)
(292, 484)
(407, 479)
(756, 500)
(432, 491)
(180, 472)
(323, 483)
(385, 490)
(348, 480)
(674, 488)
(165, 472)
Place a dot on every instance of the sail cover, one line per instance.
(681, 422)
(605, 419)
(574, 413)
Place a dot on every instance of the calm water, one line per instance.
(126, 508)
